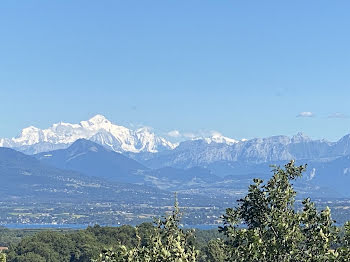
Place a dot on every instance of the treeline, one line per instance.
(86, 245)
(264, 227)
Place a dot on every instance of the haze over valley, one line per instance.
(102, 165)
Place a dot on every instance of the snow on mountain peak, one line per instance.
(98, 119)
(220, 139)
(98, 129)
(29, 135)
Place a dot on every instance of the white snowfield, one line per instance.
(98, 129)
(218, 138)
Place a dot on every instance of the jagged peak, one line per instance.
(29, 129)
(300, 137)
(98, 119)
(345, 138)
(144, 129)
(98, 128)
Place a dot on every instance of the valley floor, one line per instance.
(109, 213)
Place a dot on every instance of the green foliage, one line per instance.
(109, 236)
(2, 257)
(202, 239)
(216, 251)
(30, 257)
(76, 246)
(344, 249)
(266, 227)
(50, 246)
(168, 242)
(14, 236)
(319, 234)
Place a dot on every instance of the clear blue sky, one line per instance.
(244, 68)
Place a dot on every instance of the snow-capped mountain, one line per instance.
(154, 151)
(98, 129)
(220, 139)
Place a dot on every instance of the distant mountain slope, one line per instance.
(92, 159)
(24, 178)
(169, 178)
(326, 179)
(95, 160)
(33, 140)
(260, 150)
(334, 174)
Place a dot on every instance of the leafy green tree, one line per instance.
(109, 236)
(168, 242)
(344, 249)
(30, 257)
(266, 227)
(52, 246)
(320, 235)
(216, 251)
(84, 246)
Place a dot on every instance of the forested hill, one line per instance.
(82, 245)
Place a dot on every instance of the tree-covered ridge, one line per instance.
(265, 226)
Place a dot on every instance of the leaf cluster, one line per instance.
(168, 242)
(265, 226)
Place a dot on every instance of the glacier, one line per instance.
(99, 129)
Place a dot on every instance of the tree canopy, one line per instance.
(265, 226)
(168, 242)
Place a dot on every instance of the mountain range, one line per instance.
(24, 178)
(156, 151)
(33, 140)
(92, 159)
(29, 181)
(219, 178)
(209, 165)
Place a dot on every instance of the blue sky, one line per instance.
(243, 68)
